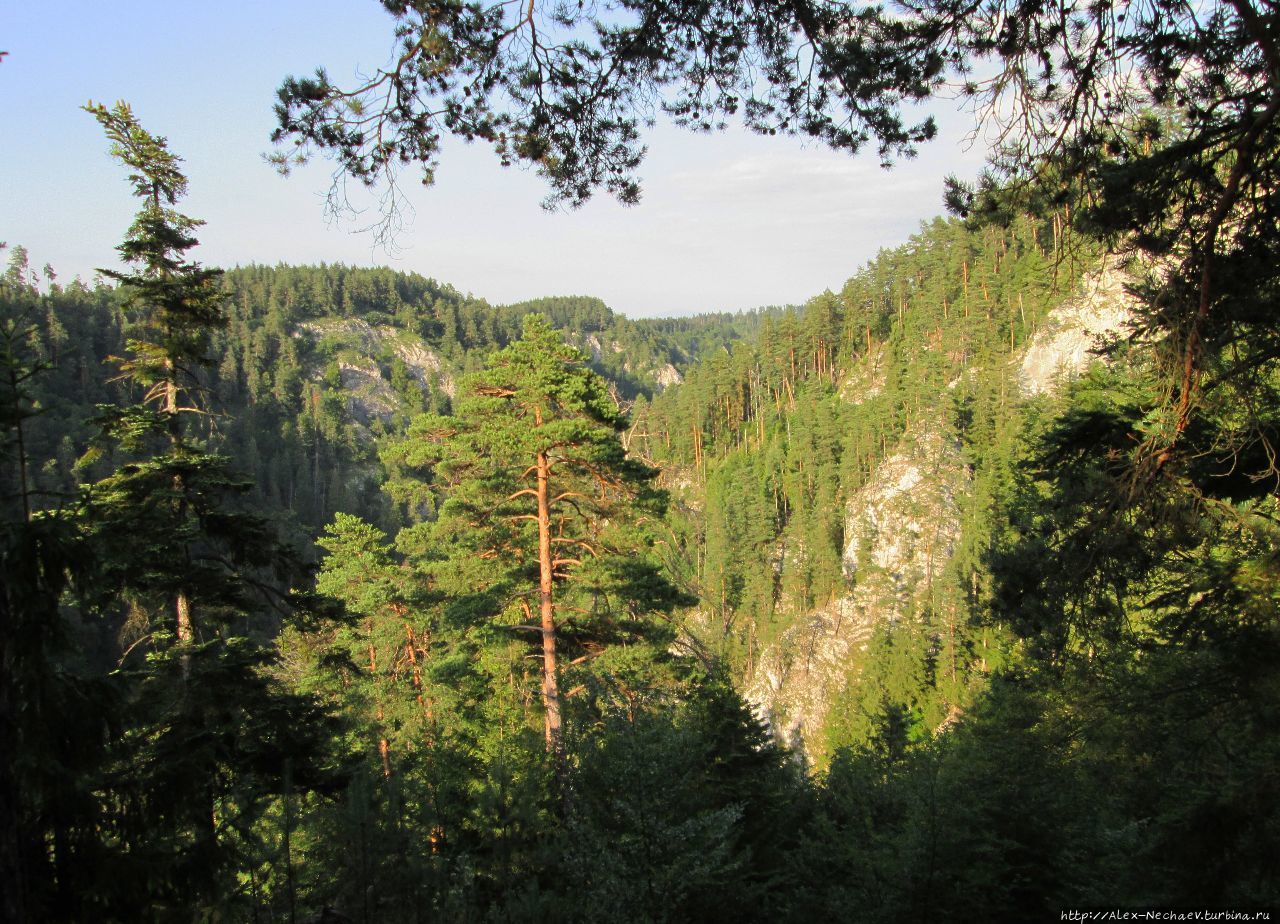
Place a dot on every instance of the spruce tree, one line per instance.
(208, 737)
(174, 302)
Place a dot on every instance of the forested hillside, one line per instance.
(862, 516)
(334, 594)
(315, 364)
(808, 567)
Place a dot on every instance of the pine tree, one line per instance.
(543, 526)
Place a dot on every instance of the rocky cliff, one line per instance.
(1099, 312)
(901, 529)
(366, 388)
(903, 525)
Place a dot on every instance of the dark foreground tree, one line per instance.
(567, 89)
(47, 726)
(174, 306)
(191, 584)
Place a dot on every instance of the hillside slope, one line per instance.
(902, 529)
(317, 363)
(837, 477)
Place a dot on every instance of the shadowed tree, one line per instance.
(208, 737)
(174, 303)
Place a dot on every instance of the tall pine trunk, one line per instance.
(550, 679)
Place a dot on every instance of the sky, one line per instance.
(727, 221)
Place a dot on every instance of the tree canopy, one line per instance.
(1016, 645)
(568, 89)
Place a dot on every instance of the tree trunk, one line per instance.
(12, 873)
(185, 632)
(384, 746)
(182, 605)
(550, 679)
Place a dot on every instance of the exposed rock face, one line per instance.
(1101, 310)
(368, 394)
(663, 376)
(901, 529)
(424, 365)
(359, 334)
(867, 378)
(903, 526)
(795, 680)
(667, 375)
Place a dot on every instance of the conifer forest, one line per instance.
(333, 594)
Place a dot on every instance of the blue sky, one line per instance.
(727, 221)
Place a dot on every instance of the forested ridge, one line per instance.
(976, 731)
(314, 362)
(335, 594)
(916, 360)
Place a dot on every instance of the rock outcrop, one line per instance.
(1101, 310)
(903, 525)
(867, 378)
(368, 393)
(667, 375)
(901, 528)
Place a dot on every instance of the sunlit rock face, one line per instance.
(903, 526)
(667, 375)
(901, 529)
(425, 365)
(1101, 311)
(866, 379)
(904, 523)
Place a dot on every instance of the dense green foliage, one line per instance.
(313, 361)
(140, 610)
(1034, 637)
(269, 755)
(1000, 730)
(779, 434)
